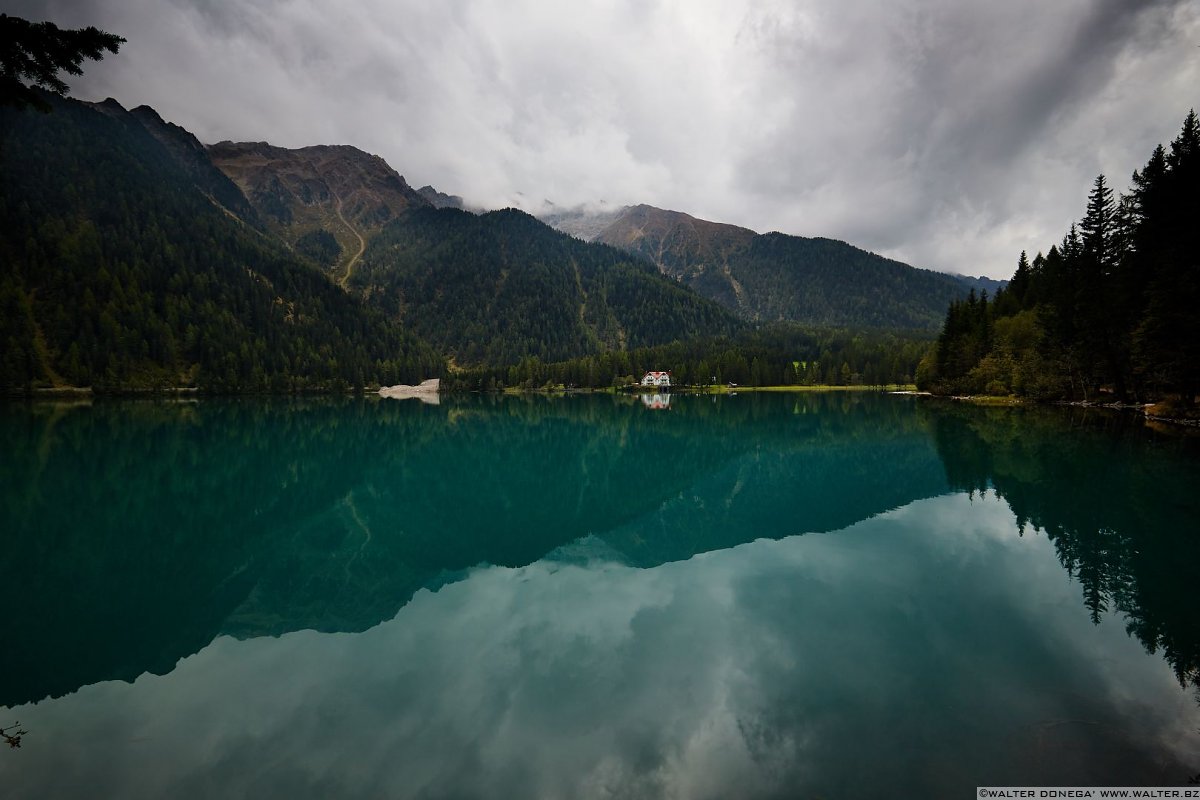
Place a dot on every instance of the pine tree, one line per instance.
(1097, 300)
(34, 53)
(1019, 286)
(1097, 229)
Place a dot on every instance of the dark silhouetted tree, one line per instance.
(33, 54)
(1116, 305)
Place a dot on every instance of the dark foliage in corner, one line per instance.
(32, 54)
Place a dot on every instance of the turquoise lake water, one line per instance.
(815, 595)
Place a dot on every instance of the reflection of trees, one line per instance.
(1118, 500)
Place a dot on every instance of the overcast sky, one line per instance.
(950, 134)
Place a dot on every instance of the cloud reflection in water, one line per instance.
(930, 649)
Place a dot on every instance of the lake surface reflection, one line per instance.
(754, 596)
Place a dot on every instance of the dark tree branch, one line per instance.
(32, 54)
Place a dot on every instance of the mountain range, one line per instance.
(775, 277)
(134, 255)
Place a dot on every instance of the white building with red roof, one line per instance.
(656, 379)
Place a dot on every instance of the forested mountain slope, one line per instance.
(193, 157)
(123, 266)
(775, 277)
(501, 286)
(827, 282)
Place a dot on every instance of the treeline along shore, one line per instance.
(1109, 314)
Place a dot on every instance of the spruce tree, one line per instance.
(1097, 301)
(32, 54)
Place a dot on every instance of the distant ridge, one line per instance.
(330, 202)
(582, 222)
(982, 283)
(776, 277)
(441, 200)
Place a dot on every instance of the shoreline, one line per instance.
(992, 401)
(891, 388)
(429, 391)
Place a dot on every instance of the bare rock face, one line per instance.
(440, 199)
(425, 391)
(336, 188)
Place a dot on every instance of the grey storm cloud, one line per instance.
(947, 134)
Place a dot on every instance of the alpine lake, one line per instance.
(827, 595)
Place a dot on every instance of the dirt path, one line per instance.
(362, 243)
